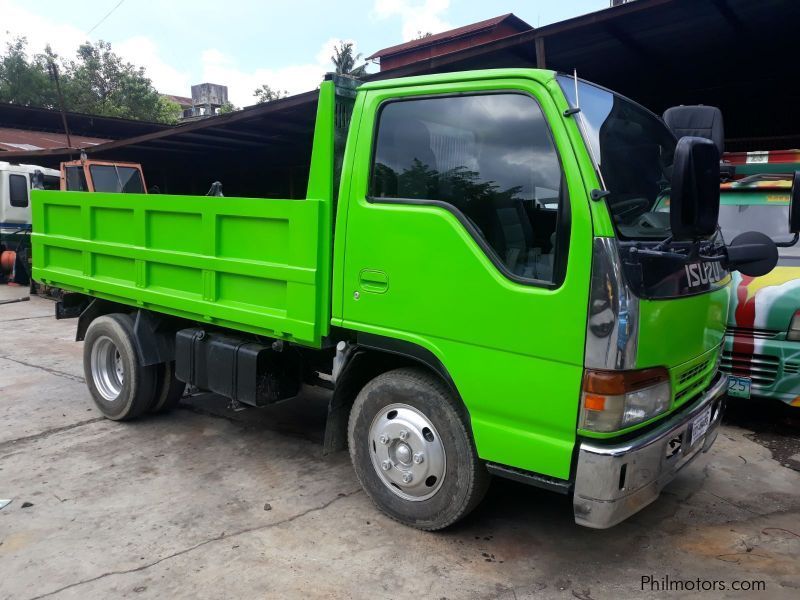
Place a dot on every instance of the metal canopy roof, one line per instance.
(735, 54)
(22, 139)
(30, 118)
(451, 34)
(188, 157)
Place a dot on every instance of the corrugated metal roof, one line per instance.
(449, 35)
(18, 139)
(30, 118)
(254, 128)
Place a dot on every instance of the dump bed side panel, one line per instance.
(246, 263)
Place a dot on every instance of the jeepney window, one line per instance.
(76, 180)
(113, 178)
(490, 159)
(18, 190)
(737, 215)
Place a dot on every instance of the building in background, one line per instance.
(206, 101)
(431, 46)
(208, 98)
(187, 108)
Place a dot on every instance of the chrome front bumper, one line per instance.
(614, 481)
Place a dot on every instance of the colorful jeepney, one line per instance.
(762, 343)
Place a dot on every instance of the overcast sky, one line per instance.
(244, 43)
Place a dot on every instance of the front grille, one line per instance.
(761, 368)
(791, 367)
(691, 372)
(679, 397)
(693, 380)
(753, 332)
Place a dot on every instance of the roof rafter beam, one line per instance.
(730, 17)
(642, 52)
(213, 137)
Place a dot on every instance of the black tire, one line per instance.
(169, 390)
(465, 478)
(137, 388)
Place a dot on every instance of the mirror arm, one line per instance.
(790, 243)
(657, 253)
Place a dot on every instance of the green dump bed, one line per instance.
(252, 264)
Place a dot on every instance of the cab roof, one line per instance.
(540, 75)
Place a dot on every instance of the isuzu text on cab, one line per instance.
(479, 276)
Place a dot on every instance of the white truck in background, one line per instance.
(15, 217)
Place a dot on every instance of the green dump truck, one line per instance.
(479, 276)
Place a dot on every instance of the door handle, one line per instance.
(371, 280)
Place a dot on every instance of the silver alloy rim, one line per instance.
(407, 452)
(108, 372)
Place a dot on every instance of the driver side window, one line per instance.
(488, 158)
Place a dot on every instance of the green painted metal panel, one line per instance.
(514, 351)
(672, 332)
(246, 263)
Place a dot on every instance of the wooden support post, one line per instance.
(541, 63)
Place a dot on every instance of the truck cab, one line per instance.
(16, 182)
(86, 175)
(15, 188)
(481, 275)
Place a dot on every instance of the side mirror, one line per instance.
(37, 180)
(752, 253)
(794, 206)
(694, 198)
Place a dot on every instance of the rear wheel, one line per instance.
(413, 452)
(169, 389)
(121, 388)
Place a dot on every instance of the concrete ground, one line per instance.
(210, 503)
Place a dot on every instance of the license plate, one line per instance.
(738, 387)
(700, 425)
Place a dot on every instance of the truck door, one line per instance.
(468, 235)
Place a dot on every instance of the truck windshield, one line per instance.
(770, 219)
(633, 153)
(114, 178)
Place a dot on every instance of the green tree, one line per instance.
(99, 82)
(228, 107)
(267, 94)
(24, 81)
(167, 111)
(96, 82)
(345, 61)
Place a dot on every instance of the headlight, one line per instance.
(794, 328)
(614, 400)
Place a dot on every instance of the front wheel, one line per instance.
(413, 452)
(121, 388)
